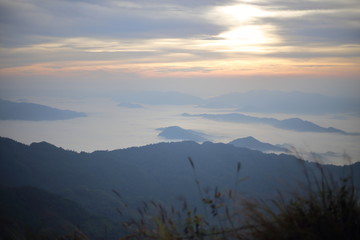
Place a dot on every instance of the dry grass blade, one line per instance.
(191, 162)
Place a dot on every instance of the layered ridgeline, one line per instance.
(260, 101)
(34, 112)
(253, 143)
(158, 172)
(265, 101)
(178, 133)
(293, 124)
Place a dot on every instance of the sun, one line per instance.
(244, 33)
(242, 13)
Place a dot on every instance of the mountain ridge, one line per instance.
(253, 143)
(294, 124)
(34, 112)
(137, 172)
(295, 102)
(261, 101)
(178, 133)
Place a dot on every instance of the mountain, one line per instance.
(262, 101)
(83, 176)
(159, 98)
(29, 211)
(297, 124)
(178, 133)
(265, 101)
(159, 172)
(294, 124)
(34, 112)
(252, 143)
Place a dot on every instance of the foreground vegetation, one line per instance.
(323, 208)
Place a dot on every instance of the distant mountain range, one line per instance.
(252, 143)
(261, 101)
(294, 124)
(264, 101)
(158, 172)
(178, 133)
(34, 112)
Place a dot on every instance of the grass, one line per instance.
(326, 208)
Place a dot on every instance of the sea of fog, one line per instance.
(109, 127)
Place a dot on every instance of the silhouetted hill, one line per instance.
(297, 124)
(32, 213)
(158, 171)
(178, 133)
(294, 124)
(285, 102)
(34, 112)
(252, 143)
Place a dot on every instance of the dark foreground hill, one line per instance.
(155, 172)
(32, 213)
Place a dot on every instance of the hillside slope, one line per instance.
(154, 172)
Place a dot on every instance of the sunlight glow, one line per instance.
(244, 34)
(243, 13)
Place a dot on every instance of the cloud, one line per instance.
(180, 36)
(326, 22)
(105, 19)
(189, 69)
(323, 27)
(306, 5)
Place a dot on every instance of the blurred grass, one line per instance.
(325, 207)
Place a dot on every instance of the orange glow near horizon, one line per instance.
(211, 68)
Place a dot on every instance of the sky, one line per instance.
(205, 47)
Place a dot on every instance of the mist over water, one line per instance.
(109, 127)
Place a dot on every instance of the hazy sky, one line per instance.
(204, 46)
